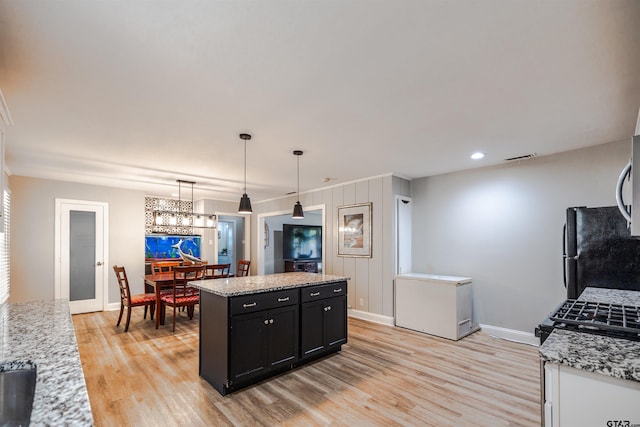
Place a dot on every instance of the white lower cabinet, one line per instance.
(574, 397)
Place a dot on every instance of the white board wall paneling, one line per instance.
(371, 278)
(376, 282)
(329, 227)
(338, 262)
(362, 264)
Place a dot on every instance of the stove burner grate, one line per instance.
(599, 316)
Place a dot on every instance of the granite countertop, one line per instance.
(615, 357)
(234, 286)
(43, 333)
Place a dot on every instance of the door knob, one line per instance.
(99, 263)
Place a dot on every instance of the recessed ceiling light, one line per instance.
(477, 155)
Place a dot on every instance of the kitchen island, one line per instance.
(43, 333)
(254, 327)
(591, 379)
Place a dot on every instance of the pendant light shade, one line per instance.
(245, 205)
(297, 208)
(245, 202)
(297, 211)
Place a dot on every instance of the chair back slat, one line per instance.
(123, 283)
(164, 266)
(183, 275)
(243, 268)
(216, 271)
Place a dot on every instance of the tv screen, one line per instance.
(301, 242)
(159, 246)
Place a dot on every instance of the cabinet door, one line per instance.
(312, 328)
(335, 321)
(282, 347)
(247, 345)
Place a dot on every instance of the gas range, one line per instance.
(603, 318)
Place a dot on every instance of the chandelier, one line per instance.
(184, 218)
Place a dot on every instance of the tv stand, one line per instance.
(298, 265)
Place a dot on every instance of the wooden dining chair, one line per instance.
(243, 268)
(127, 300)
(182, 295)
(216, 271)
(163, 266)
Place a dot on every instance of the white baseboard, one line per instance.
(511, 335)
(112, 306)
(371, 317)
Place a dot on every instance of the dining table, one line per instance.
(155, 283)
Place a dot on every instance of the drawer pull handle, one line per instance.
(283, 299)
(337, 290)
(314, 294)
(253, 304)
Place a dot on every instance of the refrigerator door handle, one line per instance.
(564, 254)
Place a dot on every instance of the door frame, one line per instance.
(58, 243)
(246, 236)
(397, 231)
(260, 229)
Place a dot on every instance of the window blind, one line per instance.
(4, 248)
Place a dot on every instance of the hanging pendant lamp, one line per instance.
(297, 208)
(245, 202)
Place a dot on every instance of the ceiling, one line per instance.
(136, 94)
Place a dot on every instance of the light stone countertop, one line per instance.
(615, 357)
(234, 286)
(43, 333)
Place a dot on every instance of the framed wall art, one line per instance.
(354, 230)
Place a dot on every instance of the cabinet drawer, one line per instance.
(313, 293)
(263, 301)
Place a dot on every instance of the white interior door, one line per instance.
(403, 235)
(81, 243)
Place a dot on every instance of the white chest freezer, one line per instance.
(434, 304)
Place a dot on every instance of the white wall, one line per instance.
(32, 234)
(210, 236)
(371, 285)
(502, 226)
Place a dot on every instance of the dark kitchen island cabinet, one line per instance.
(323, 318)
(255, 327)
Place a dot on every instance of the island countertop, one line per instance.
(234, 286)
(606, 355)
(43, 333)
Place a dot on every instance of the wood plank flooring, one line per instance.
(384, 376)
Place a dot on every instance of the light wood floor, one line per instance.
(384, 376)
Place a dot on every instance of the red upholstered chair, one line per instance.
(127, 300)
(243, 268)
(182, 295)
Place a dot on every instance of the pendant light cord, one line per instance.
(245, 166)
(298, 178)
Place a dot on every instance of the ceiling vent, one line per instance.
(525, 156)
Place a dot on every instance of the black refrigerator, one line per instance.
(599, 251)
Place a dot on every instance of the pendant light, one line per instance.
(297, 208)
(245, 202)
(182, 217)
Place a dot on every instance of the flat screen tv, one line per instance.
(301, 242)
(159, 246)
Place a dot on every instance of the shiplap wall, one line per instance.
(371, 284)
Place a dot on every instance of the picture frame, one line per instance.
(354, 230)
